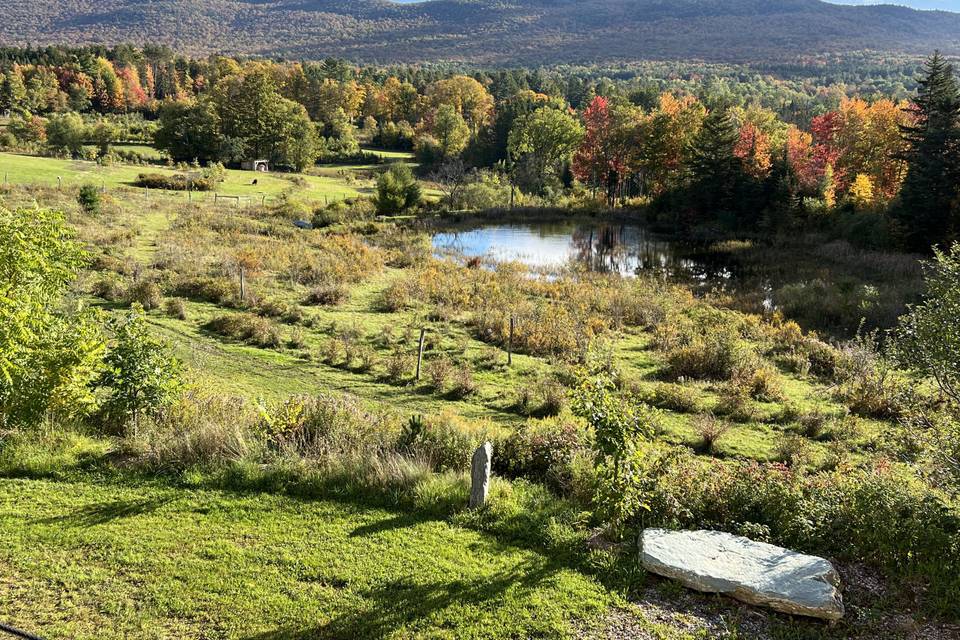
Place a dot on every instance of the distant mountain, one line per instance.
(925, 5)
(488, 31)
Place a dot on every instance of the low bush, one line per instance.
(710, 430)
(873, 514)
(109, 286)
(206, 180)
(327, 295)
(674, 397)
(544, 397)
(463, 383)
(175, 308)
(205, 289)
(146, 293)
(247, 327)
(542, 450)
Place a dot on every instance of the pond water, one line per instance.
(627, 249)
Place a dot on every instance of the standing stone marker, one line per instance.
(480, 475)
(754, 572)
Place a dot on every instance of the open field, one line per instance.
(227, 532)
(33, 170)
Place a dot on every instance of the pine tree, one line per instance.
(714, 168)
(928, 209)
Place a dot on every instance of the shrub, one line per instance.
(760, 382)
(438, 371)
(175, 308)
(110, 287)
(247, 327)
(543, 398)
(146, 293)
(871, 514)
(792, 450)
(463, 383)
(710, 430)
(398, 366)
(813, 424)
(89, 199)
(675, 397)
(714, 355)
(397, 190)
(542, 450)
(735, 404)
(868, 384)
(328, 295)
(205, 289)
(206, 180)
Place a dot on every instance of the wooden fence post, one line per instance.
(423, 332)
(510, 343)
(241, 284)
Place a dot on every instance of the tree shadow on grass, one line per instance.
(399, 521)
(104, 512)
(414, 607)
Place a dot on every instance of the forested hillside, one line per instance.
(488, 31)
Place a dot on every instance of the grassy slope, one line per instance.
(101, 561)
(22, 169)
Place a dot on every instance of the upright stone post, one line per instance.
(480, 475)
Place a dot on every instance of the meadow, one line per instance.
(310, 485)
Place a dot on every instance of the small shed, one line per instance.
(255, 165)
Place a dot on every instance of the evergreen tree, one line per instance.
(928, 209)
(715, 170)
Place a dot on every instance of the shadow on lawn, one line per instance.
(104, 512)
(405, 604)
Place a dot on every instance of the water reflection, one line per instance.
(627, 249)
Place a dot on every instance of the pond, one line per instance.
(627, 249)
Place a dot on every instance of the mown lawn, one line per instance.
(32, 170)
(91, 560)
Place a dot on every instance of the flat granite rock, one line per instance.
(753, 572)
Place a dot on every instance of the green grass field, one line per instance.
(98, 561)
(23, 170)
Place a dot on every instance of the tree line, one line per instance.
(879, 168)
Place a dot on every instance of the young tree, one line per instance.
(141, 376)
(397, 190)
(928, 337)
(48, 355)
(928, 209)
(450, 130)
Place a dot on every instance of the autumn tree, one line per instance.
(542, 144)
(467, 96)
(602, 158)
